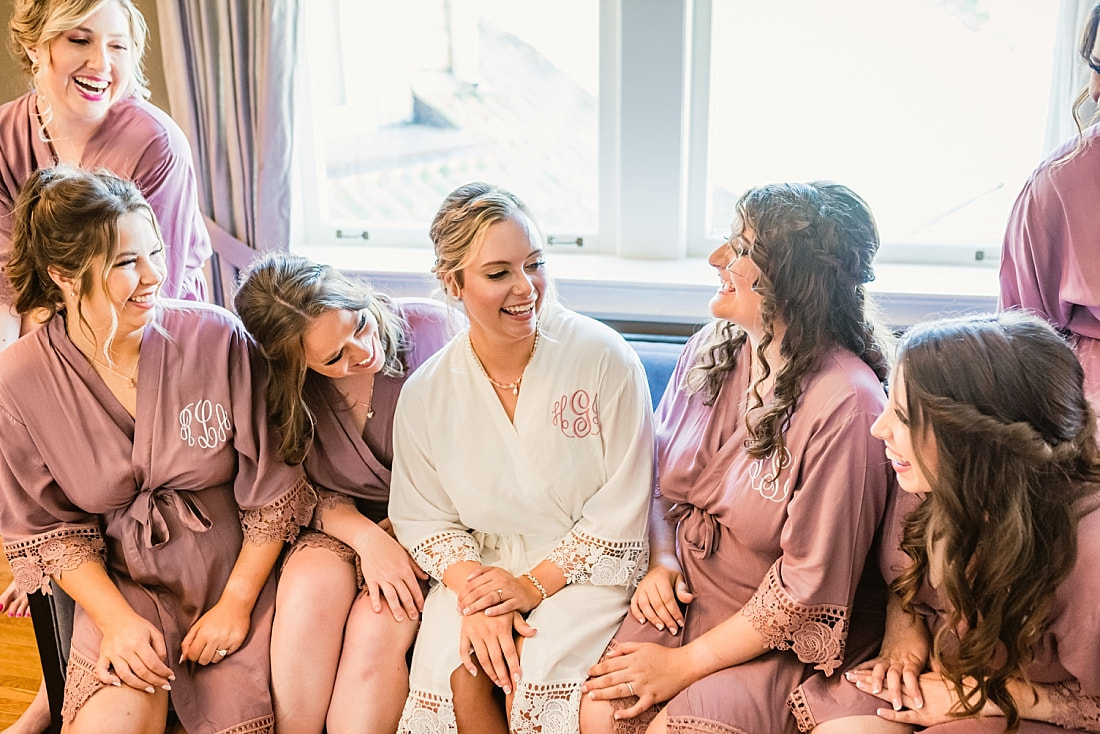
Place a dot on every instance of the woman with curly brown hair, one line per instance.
(993, 547)
(770, 486)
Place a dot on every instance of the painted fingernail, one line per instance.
(660, 626)
(876, 689)
(150, 689)
(508, 690)
(918, 702)
(515, 677)
(673, 630)
(848, 677)
(897, 705)
(167, 687)
(116, 684)
(473, 671)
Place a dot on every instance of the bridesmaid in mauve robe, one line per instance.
(345, 465)
(781, 541)
(164, 500)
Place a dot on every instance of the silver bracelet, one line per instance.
(537, 584)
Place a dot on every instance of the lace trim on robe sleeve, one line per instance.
(1071, 708)
(327, 500)
(582, 557)
(439, 552)
(282, 519)
(815, 633)
(35, 560)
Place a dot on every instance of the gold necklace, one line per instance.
(131, 379)
(369, 405)
(513, 386)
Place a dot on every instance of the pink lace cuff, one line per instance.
(327, 500)
(582, 557)
(439, 552)
(1072, 709)
(35, 560)
(282, 519)
(815, 633)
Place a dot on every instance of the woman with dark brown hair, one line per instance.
(992, 547)
(770, 486)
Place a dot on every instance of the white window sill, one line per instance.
(673, 291)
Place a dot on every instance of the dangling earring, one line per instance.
(72, 293)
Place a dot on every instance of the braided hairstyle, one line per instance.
(279, 297)
(1001, 399)
(814, 246)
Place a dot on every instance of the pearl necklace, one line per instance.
(513, 386)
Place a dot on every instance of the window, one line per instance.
(411, 99)
(631, 126)
(933, 110)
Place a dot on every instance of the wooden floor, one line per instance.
(20, 672)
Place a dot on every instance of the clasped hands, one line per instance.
(133, 652)
(915, 697)
(492, 604)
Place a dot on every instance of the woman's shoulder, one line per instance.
(139, 120)
(842, 378)
(198, 320)
(583, 334)
(16, 111)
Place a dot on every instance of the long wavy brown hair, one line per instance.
(814, 246)
(1001, 398)
(279, 297)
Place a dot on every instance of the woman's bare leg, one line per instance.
(315, 593)
(372, 681)
(121, 710)
(477, 708)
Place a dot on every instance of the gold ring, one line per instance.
(223, 652)
(630, 687)
(500, 593)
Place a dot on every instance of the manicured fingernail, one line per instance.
(884, 713)
(171, 676)
(515, 677)
(150, 689)
(167, 687)
(848, 676)
(181, 660)
(508, 690)
(918, 702)
(673, 630)
(897, 705)
(660, 626)
(473, 671)
(116, 683)
(876, 689)
(465, 611)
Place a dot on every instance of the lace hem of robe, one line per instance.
(81, 683)
(35, 560)
(1073, 709)
(326, 500)
(262, 725)
(442, 550)
(427, 713)
(692, 725)
(281, 519)
(816, 634)
(546, 708)
(796, 702)
(582, 557)
(316, 539)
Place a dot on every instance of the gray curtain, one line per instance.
(1069, 75)
(229, 67)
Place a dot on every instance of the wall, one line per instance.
(13, 82)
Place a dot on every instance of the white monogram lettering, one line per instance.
(764, 474)
(205, 423)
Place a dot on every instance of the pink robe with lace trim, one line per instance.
(346, 467)
(782, 540)
(164, 501)
(1067, 656)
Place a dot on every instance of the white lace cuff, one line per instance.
(436, 554)
(582, 558)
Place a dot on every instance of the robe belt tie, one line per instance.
(699, 528)
(149, 510)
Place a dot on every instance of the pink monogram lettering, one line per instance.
(577, 415)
